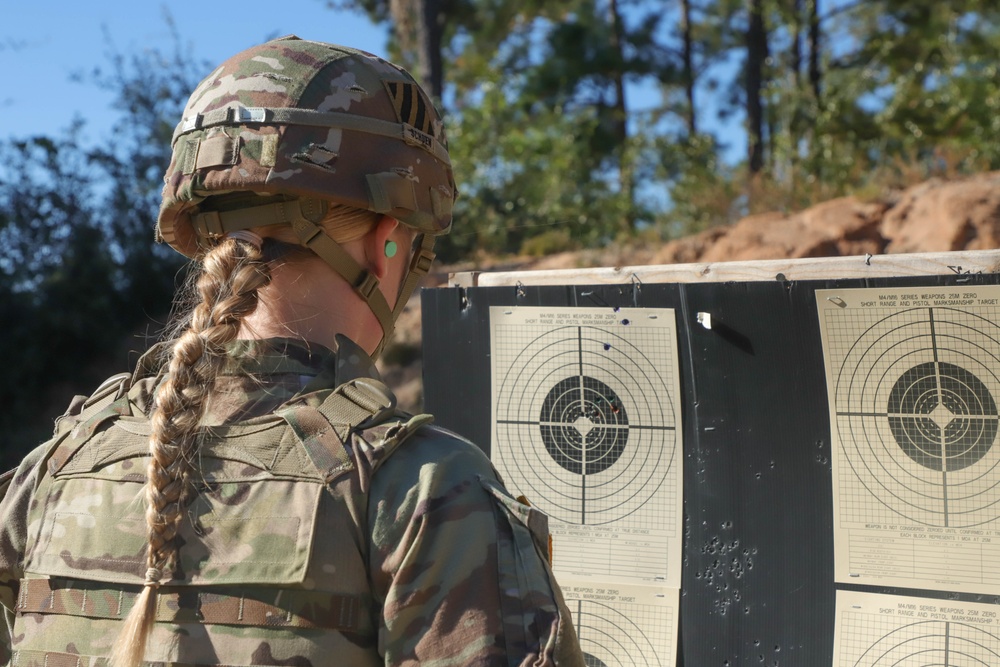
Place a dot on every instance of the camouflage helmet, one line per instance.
(312, 120)
(304, 124)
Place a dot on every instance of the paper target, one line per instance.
(586, 410)
(934, 643)
(609, 638)
(915, 400)
(875, 630)
(585, 416)
(624, 626)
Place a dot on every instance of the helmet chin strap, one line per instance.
(363, 281)
(304, 215)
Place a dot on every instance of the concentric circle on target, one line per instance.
(584, 425)
(942, 416)
(586, 421)
(933, 643)
(917, 417)
(610, 638)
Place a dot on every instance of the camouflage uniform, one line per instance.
(309, 543)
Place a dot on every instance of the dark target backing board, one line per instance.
(757, 583)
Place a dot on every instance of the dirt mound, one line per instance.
(934, 216)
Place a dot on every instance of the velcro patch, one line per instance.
(269, 150)
(218, 150)
(189, 153)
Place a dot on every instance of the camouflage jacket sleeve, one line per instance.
(459, 566)
(16, 493)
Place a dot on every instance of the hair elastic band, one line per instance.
(153, 576)
(248, 236)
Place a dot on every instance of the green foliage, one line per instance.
(78, 269)
(538, 125)
(549, 243)
(705, 192)
(550, 147)
(903, 91)
(523, 170)
(912, 83)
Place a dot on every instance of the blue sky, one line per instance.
(44, 42)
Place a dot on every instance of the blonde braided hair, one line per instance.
(232, 275)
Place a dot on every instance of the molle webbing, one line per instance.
(58, 659)
(324, 431)
(259, 607)
(85, 429)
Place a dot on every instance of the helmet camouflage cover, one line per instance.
(310, 120)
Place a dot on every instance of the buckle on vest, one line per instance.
(371, 396)
(113, 385)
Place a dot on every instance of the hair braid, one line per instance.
(232, 274)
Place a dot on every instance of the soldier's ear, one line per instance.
(376, 245)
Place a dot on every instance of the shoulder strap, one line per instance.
(81, 410)
(82, 407)
(364, 408)
(85, 416)
(325, 429)
(362, 401)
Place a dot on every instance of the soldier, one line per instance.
(250, 495)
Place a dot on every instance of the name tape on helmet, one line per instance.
(415, 137)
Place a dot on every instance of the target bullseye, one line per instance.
(583, 425)
(942, 416)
